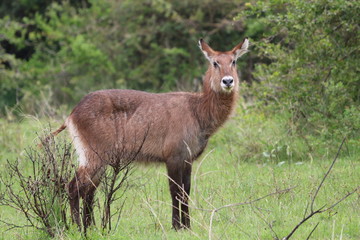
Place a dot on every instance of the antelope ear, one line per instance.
(206, 49)
(241, 48)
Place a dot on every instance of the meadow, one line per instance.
(237, 186)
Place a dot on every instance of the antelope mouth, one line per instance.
(227, 83)
(227, 89)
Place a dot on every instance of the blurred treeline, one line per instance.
(57, 51)
(304, 59)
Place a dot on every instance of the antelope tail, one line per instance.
(53, 134)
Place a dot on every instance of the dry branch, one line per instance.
(243, 203)
(39, 192)
(323, 208)
(120, 166)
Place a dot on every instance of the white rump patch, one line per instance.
(79, 145)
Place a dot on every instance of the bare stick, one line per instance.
(325, 176)
(156, 217)
(260, 215)
(312, 231)
(255, 200)
(242, 203)
(300, 223)
(342, 199)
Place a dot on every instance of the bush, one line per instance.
(36, 187)
(313, 47)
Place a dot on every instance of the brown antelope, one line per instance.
(175, 126)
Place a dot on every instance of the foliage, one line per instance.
(313, 47)
(17, 9)
(306, 54)
(59, 54)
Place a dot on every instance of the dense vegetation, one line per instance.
(65, 51)
(314, 72)
(305, 53)
(300, 97)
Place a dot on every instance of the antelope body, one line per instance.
(173, 128)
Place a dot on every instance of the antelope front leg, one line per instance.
(186, 180)
(175, 190)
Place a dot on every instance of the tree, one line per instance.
(313, 47)
(146, 45)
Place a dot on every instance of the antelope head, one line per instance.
(222, 71)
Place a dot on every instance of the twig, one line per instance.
(12, 225)
(267, 223)
(240, 204)
(156, 217)
(312, 231)
(300, 223)
(38, 194)
(325, 176)
(255, 200)
(321, 209)
(342, 199)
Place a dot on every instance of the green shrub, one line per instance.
(313, 47)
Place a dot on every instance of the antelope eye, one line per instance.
(233, 62)
(216, 65)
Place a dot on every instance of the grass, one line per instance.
(252, 156)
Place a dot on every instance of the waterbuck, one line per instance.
(173, 128)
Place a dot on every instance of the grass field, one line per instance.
(251, 157)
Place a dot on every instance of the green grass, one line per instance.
(252, 156)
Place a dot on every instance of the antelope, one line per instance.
(175, 126)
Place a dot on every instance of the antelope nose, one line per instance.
(228, 81)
